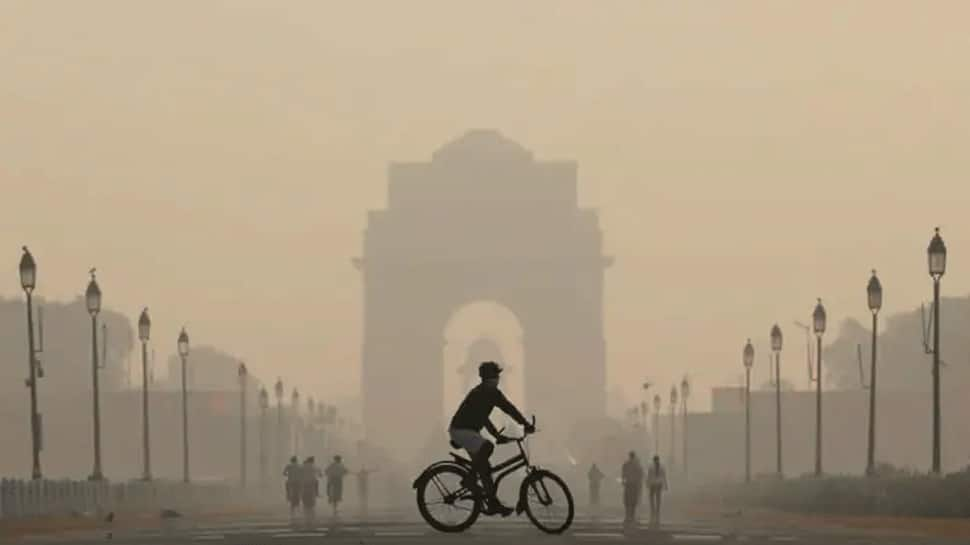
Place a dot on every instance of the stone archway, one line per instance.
(483, 220)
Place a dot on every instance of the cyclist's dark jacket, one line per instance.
(478, 404)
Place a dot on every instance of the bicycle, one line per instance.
(539, 489)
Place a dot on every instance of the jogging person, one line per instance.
(466, 427)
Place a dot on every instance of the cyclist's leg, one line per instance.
(472, 441)
(483, 467)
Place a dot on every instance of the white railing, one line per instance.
(64, 497)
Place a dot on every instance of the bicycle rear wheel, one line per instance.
(444, 503)
(548, 502)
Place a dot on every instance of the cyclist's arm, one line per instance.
(508, 408)
(492, 430)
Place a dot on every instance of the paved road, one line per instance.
(405, 529)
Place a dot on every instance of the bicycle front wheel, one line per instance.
(444, 503)
(548, 502)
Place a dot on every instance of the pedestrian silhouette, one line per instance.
(657, 484)
(309, 489)
(595, 480)
(632, 477)
(335, 483)
(363, 477)
(293, 474)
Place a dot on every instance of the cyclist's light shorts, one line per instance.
(470, 440)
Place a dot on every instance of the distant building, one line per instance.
(483, 220)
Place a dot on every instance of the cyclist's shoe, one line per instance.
(495, 507)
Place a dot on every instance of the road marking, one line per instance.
(299, 534)
(696, 537)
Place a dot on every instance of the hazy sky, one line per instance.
(215, 159)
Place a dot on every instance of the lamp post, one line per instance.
(776, 343)
(183, 348)
(657, 402)
(818, 325)
(144, 329)
(92, 298)
(278, 390)
(936, 258)
(644, 410)
(748, 359)
(28, 281)
(263, 405)
(295, 420)
(308, 440)
(673, 426)
(243, 374)
(874, 298)
(684, 393)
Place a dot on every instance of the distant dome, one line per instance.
(487, 144)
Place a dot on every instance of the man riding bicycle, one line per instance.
(466, 426)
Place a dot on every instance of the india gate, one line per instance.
(483, 220)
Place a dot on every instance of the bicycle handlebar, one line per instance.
(504, 439)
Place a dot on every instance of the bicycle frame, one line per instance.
(513, 464)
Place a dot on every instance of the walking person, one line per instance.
(632, 478)
(309, 490)
(657, 485)
(293, 474)
(335, 483)
(362, 485)
(595, 481)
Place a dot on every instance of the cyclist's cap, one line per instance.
(489, 369)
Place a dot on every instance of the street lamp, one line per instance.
(936, 259)
(874, 298)
(242, 423)
(673, 426)
(28, 281)
(657, 402)
(684, 394)
(263, 405)
(279, 422)
(92, 298)
(183, 348)
(307, 429)
(295, 420)
(144, 330)
(776, 343)
(818, 325)
(748, 359)
(644, 410)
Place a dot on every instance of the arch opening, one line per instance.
(476, 332)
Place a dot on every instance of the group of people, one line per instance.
(633, 479)
(303, 485)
